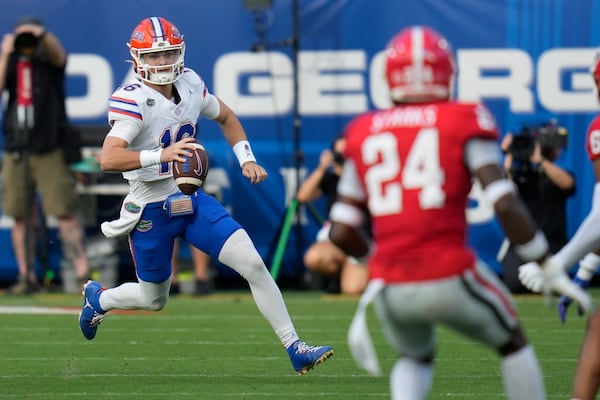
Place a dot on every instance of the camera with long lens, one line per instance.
(25, 42)
(338, 158)
(522, 145)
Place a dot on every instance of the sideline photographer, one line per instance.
(530, 160)
(36, 131)
(323, 256)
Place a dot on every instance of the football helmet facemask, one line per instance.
(154, 35)
(419, 66)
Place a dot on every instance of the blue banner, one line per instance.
(528, 60)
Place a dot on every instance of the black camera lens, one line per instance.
(339, 158)
(522, 146)
(25, 40)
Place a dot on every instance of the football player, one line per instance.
(153, 122)
(411, 167)
(586, 240)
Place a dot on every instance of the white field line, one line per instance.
(38, 310)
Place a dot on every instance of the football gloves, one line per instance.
(565, 301)
(550, 278)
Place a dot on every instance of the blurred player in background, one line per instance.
(582, 246)
(411, 167)
(153, 122)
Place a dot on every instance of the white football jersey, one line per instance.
(161, 122)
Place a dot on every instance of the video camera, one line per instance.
(549, 135)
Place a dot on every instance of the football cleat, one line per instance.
(305, 357)
(91, 314)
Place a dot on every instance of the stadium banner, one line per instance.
(528, 60)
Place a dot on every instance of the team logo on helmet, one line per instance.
(137, 35)
(176, 32)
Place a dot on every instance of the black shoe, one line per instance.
(333, 286)
(175, 289)
(202, 288)
(24, 287)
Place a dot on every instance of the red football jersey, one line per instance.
(411, 162)
(592, 142)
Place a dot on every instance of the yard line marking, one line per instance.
(38, 310)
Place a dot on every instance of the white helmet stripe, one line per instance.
(159, 34)
(418, 55)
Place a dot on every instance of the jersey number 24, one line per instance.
(421, 170)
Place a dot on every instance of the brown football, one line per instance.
(190, 174)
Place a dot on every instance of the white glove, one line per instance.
(549, 278)
(532, 276)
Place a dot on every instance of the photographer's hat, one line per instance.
(29, 19)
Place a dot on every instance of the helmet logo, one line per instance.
(137, 35)
(176, 32)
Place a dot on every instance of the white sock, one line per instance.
(287, 335)
(239, 253)
(136, 296)
(522, 376)
(410, 379)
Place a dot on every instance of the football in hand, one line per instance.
(190, 174)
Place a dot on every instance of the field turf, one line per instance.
(220, 347)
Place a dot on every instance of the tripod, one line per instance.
(291, 216)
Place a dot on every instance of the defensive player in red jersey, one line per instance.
(412, 167)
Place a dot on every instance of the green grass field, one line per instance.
(220, 347)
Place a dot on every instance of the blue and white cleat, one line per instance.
(91, 314)
(305, 357)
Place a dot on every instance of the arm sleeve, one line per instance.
(480, 152)
(124, 129)
(586, 238)
(210, 106)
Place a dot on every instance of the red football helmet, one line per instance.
(595, 70)
(153, 35)
(419, 66)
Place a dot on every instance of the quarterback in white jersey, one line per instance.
(149, 121)
(153, 123)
